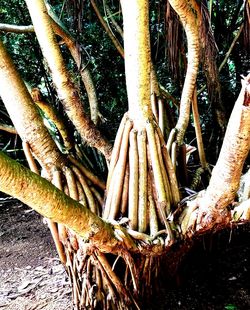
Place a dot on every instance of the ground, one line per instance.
(215, 274)
(31, 276)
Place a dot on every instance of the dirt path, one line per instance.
(31, 277)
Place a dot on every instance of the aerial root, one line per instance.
(142, 186)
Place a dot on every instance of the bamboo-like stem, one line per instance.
(154, 106)
(91, 202)
(159, 183)
(133, 181)
(171, 139)
(93, 178)
(163, 203)
(71, 181)
(153, 222)
(81, 195)
(29, 157)
(197, 127)
(116, 147)
(142, 207)
(161, 115)
(170, 169)
(125, 193)
(118, 175)
(174, 154)
(163, 169)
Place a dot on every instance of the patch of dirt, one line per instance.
(31, 276)
(215, 275)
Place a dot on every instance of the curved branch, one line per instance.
(190, 18)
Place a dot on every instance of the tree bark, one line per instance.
(191, 21)
(49, 201)
(65, 88)
(17, 98)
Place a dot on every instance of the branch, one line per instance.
(8, 128)
(231, 48)
(189, 14)
(42, 196)
(113, 21)
(16, 28)
(73, 47)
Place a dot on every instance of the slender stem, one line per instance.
(105, 26)
(197, 127)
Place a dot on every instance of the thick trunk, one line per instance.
(211, 207)
(226, 174)
(137, 59)
(140, 160)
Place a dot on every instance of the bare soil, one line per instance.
(31, 276)
(215, 275)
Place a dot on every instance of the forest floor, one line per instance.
(215, 275)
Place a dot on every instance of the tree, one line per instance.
(118, 247)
